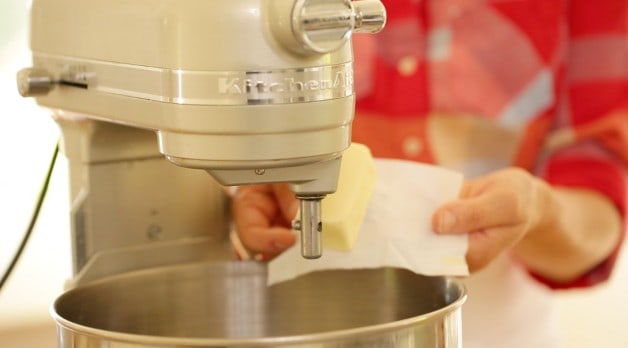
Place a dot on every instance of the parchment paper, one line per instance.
(396, 231)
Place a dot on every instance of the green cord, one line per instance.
(31, 225)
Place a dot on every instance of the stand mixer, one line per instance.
(150, 96)
(251, 91)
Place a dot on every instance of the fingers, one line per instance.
(494, 223)
(496, 211)
(497, 208)
(267, 241)
(262, 215)
(486, 245)
(288, 203)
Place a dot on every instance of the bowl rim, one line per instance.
(66, 326)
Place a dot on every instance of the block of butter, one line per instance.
(344, 211)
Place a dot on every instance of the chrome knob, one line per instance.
(323, 26)
(370, 16)
(33, 82)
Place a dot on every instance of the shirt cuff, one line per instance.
(599, 174)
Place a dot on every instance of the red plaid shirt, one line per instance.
(540, 84)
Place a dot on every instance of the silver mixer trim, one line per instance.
(277, 86)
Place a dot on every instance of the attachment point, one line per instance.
(311, 226)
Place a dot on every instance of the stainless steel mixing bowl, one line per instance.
(227, 304)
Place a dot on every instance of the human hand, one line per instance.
(497, 211)
(263, 215)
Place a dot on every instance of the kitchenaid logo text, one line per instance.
(265, 85)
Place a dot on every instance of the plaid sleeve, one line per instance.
(595, 116)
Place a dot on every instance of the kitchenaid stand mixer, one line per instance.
(251, 91)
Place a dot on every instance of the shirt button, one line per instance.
(407, 66)
(412, 146)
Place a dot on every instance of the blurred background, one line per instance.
(27, 142)
(589, 318)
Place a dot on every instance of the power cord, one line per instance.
(33, 220)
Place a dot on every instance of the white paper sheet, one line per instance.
(396, 231)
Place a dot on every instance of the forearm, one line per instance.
(576, 230)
